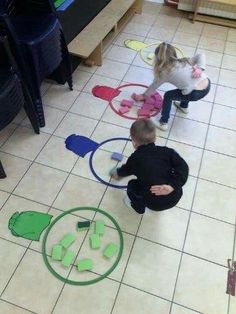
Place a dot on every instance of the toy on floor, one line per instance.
(99, 227)
(110, 250)
(85, 264)
(124, 110)
(126, 105)
(68, 258)
(154, 102)
(57, 252)
(117, 156)
(83, 225)
(67, 240)
(95, 242)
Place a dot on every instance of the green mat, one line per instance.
(29, 224)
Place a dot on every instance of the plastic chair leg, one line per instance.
(2, 172)
(66, 62)
(30, 110)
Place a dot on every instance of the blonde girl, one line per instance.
(187, 74)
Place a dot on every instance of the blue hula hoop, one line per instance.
(91, 163)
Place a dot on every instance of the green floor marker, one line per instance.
(67, 240)
(110, 250)
(29, 224)
(83, 225)
(95, 241)
(85, 264)
(68, 258)
(99, 227)
(57, 252)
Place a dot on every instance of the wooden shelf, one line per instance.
(214, 20)
(102, 29)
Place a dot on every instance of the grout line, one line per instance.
(18, 306)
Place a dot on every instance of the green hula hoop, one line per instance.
(88, 282)
(155, 44)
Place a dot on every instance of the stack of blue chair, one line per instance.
(38, 44)
(13, 92)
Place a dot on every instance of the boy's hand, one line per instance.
(113, 174)
(163, 189)
(196, 72)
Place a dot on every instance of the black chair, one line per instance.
(38, 42)
(13, 92)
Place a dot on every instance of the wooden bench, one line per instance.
(90, 42)
(210, 19)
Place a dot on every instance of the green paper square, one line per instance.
(110, 250)
(85, 264)
(99, 227)
(95, 241)
(57, 252)
(68, 258)
(67, 240)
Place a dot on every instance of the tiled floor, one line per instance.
(173, 262)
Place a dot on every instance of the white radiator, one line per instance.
(210, 8)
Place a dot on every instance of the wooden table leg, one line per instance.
(198, 3)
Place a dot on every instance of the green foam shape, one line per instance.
(99, 227)
(95, 241)
(57, 252)
(85, 264)
(68, 258)
(83, 225)
(110, 250)
(67, 240)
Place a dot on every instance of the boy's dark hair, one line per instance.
(143, 131)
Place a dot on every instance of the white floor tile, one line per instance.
(139, 302)
(217, 237)
(136, 29)
(29, 282)
(75, 124)
(153, 227)
(224, 143)
(60, 97)
(208, 278)
(113, 69)
(56, 155)
(8, 308)
(75, 193)
(188, 131)
(98, 297)
(11, 254)
(25, 143)
(143, 261)
(41, 184)
(226, 96)
(224, 117)
(213, 168)
(15, 169)
(210, 199)
(7, 132)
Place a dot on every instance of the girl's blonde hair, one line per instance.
(143, 131)
(166, 58)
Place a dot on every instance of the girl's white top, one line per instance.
(180, 76)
